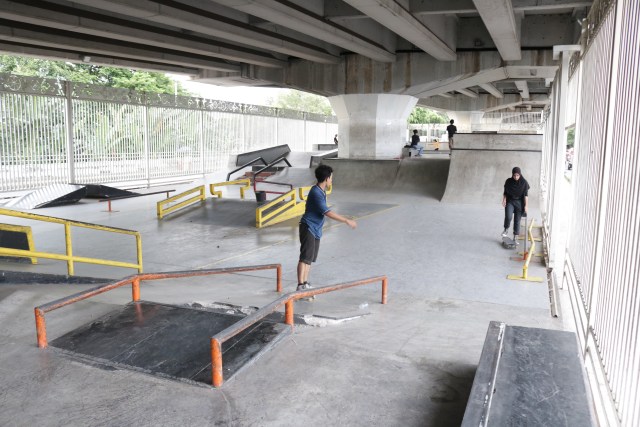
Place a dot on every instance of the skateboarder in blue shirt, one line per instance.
(313, 220)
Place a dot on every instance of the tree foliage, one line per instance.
(421, 115)
(302, 101)
(88, 73)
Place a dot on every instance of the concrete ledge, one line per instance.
(499, 141)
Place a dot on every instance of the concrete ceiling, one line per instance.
(462, 54)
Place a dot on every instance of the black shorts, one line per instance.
(309, 245)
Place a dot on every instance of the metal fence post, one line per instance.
(202, 163)
(145, 138)
(68, 90)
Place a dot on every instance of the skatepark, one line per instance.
(349, 359)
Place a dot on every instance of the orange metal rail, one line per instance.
(134, 281)
(286, 300)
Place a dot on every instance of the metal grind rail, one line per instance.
(287, 301)
(68, 256)
(244, 183)
(525, 267)
(287, 206)
(135, 281)
(162, 211)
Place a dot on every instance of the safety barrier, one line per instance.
(288, 301)
(287, 206)
(135, 281)
(162, 211)
(525, 267)
(246, 184)
(26, 231)
(69, 257)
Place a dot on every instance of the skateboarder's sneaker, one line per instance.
(305, 286)
(515, 239)
(505, 233)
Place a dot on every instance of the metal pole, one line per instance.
(145, 139)
(68, 90)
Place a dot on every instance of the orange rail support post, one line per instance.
(288, 312)
(41, 328)
(216, 363)
(279, 278)
(384, 290)
(135, 289)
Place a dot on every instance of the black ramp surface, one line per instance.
(168, 340)
(529, 377)
(46, 197)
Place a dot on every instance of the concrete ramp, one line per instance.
(424, 176)
(480, 163)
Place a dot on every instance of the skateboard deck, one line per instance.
(508, 243)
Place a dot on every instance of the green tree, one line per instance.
(302, 101)
(87, 73)
(421, 115)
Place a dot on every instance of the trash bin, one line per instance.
(261, 197)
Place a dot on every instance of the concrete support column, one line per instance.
(372, 126)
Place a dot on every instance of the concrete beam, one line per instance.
(312, 24)
(212, 24)
(523, 88)
(538, 101)
(399, 20)
(65, 18)
(79, 58)
(557, 50)
(484, 102)
(467, 92)
(450, 7)
(501, 22)
(491, 89)
(90, 45)
(456, 83)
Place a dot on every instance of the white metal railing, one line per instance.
(602, 264)
(58, 132)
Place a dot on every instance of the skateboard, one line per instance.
(508, 243)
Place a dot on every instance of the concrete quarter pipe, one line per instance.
(480, 163)
(424, 176)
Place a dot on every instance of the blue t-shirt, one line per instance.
(315, 210)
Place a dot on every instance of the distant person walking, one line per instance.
(335, 139)
(514, 201)
(312, 222)
(451, 131)
(415, 143)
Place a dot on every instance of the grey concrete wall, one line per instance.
(426, 177)
(480, 163)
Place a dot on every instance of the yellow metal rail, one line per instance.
(525, 267)
(22, 229)
(165, 207)
(246, 183)
(287, 206)
(68, 256)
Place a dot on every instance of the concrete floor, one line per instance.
(410, 362)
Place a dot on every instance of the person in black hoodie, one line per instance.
(514, 200)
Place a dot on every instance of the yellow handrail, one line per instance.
(22, 229)
(525, 267)
(162, 211)
(68, 256)
(290, 203)
(246, 183)
(292, 208)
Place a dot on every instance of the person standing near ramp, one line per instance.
(451, 131)
(514, 201)
(312, 221)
